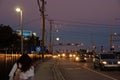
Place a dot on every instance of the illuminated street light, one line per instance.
(21, 28)
(18, 9)
(57, 38)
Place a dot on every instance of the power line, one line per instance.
(77, 23)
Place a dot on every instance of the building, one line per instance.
(26, 33)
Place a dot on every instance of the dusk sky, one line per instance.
(87, 21)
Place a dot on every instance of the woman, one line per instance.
(24, 64)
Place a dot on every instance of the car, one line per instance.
(106, 60)
(117, 54)
(80, 58)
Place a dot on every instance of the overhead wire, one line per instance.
(77, 23)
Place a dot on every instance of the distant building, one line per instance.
(26, 33)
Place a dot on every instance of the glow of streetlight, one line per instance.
(18, 9)
(21, 28)
(57, 38)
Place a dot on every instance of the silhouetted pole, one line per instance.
(42, 10)
(43, 29)
(51, 45)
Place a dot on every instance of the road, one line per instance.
(84, 71)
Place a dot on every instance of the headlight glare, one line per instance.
(104, 62)
(70, 55)
(77, 58)
(85, 58)
(118, 62)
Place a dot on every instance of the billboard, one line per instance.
(38, 49)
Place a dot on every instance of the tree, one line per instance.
(8, 37)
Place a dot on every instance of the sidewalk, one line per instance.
(43, 70)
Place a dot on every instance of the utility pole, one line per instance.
(43, 29)
(42, 11)
(51, 44)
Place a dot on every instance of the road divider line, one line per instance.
(57, 75)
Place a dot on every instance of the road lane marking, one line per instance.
(100, 73)
(72, 68)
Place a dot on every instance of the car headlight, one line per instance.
(118, 62)
(63, 55)
(58, 55)
(70, 55)
(74, 55)
(85, 58)
(54, 56)
(104, 62)
(77, 58)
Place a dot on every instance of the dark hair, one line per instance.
(25, 61)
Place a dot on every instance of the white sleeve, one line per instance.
(11, 74)
(28, 74)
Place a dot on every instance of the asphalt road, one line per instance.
(84, 71)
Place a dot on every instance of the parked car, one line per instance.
(106, 60)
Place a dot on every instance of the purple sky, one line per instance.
(72, 15)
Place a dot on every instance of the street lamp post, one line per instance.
(21, 28)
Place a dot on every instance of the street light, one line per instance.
(57, 38)
(21, 29)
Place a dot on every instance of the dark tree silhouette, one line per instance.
(11, 41)
(8, 37)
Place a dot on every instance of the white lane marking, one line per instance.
(100, 73)
(72, 68)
